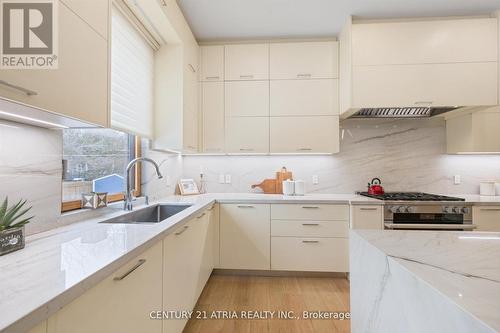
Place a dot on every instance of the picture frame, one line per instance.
(188, 187)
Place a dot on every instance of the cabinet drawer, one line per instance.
(304, 97)
(313, 212)
(487, 218)
(368, 217)
(311, 134)
(309, 228)
(247, 98)
(310, 254)
(307, 60)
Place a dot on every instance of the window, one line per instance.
(94, 160)
(132, 74)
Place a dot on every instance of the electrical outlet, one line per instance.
(457, 180)
(228, 179)
(315, 180)
(221, 179)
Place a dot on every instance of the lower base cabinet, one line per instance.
(486, 218)
(120, 303)
(367, 217)
(310, 254)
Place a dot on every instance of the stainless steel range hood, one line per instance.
(401, 112)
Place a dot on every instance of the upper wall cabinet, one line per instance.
(474, 133)
(212, 103)
(308, 60)
(66, 90)
(247, 98)
(435, 62)
(247, 62)
(212, 63)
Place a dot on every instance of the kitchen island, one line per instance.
(424, 281)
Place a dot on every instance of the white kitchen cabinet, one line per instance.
(425, 41)
(406, 63)
(212, 63)
(367, 217)
(303, 60)
(205, 246)
(304, 97)
(476, 132)
(79, 87)
(247, 98)
(247, 135)
(40, 328)
(486, 218)
(462, 84)
(245, 236)
(312, 134)
(310, 254)
(212, 107)
(310, 228)
(246, 62)
(181, 266)
(213, 215)
(120, 303)
(312, 211)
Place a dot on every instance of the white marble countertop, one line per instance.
(462, 266)
(59, 265)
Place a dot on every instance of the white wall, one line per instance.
(408, 155)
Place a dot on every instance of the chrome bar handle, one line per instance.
(310, 207)
(245, 206)
(310, 224)
(310, 241)
(139, 264)
(182, 231)
(28, 92)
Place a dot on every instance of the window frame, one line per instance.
(70, 205)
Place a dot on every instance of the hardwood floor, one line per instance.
(254, 293)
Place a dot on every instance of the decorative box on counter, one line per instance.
(11, 240)
(94, 200)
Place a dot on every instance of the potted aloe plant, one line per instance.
(12, 221)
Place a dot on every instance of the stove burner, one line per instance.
(411, 196)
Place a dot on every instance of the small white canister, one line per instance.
(300, 187)
(288, 187)
(487, 188)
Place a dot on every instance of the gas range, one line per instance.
(424, 211)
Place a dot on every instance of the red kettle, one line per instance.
(375, 187)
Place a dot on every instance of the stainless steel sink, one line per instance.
(152, 214)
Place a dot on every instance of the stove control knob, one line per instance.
(447, 210)
(411, 209)
(394, 209)
(466, 210)
(457, 210)
(402, 209)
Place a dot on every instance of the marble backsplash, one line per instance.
(408, 155)
(31, 168)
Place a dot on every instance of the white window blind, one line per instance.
(132, 70)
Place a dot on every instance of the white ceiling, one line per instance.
(253, 19)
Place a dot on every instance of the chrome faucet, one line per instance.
(128, 194)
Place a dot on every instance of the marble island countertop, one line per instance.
(452, 278)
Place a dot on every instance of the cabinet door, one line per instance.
(309, 60)
(310, 254)
(247, 135)
(40, 328)
(79, 87)
(120, 303)
(316, 134)
(487, 218)
(367, 217)
(191, 119)
(246, 62)
(205, 250)
(304, 97)
(214, 221)
(212, 63)
(428, 84)
(212, 105)
(180, 274)
(247, 98)
(245, 236)
(431, 41)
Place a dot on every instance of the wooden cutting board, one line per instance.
(267, 185)
(282, 175)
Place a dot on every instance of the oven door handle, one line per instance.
(423, 226)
